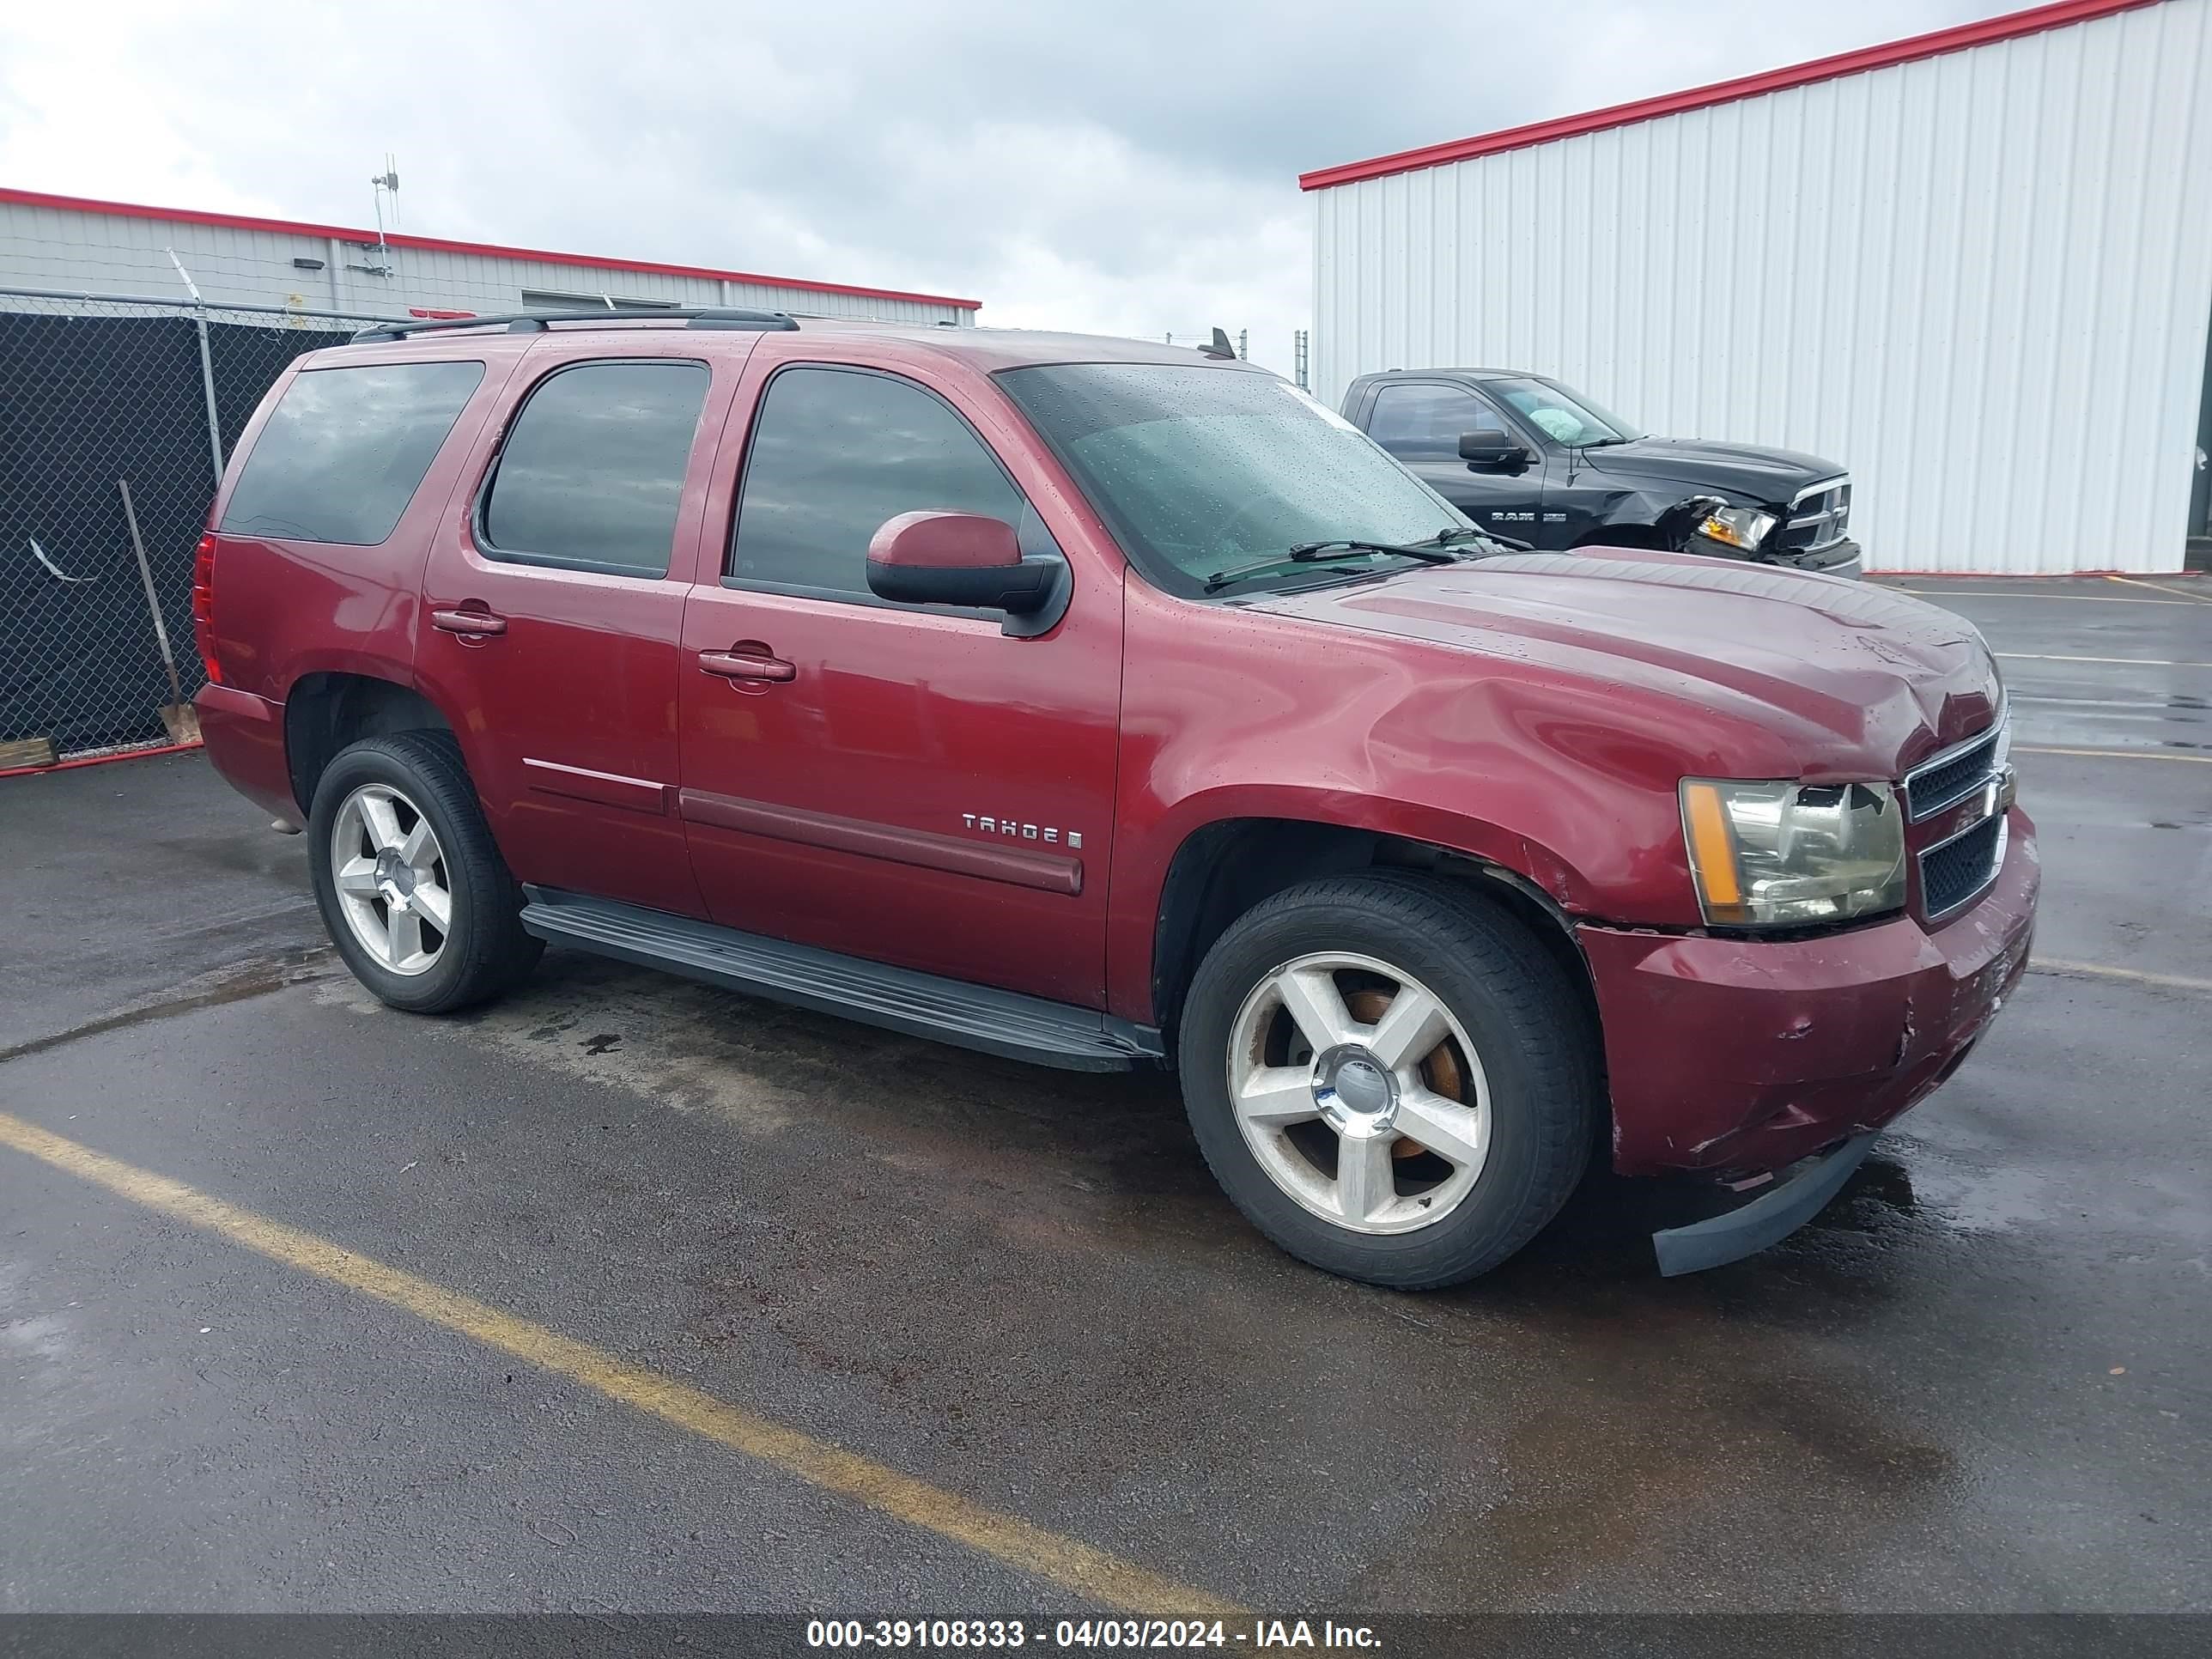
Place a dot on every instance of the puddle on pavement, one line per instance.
(258, 976)
(1635, 1410)
(1983, 1200)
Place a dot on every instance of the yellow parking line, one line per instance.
(2137, 581)
(1063, 1561)
(2097, 970)
(2111, 754)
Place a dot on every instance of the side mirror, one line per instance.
(1491, 451)
(959, 558)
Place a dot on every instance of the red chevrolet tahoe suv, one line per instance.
(1099, 703)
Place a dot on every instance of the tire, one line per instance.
(1508, 1095)
(375, 793)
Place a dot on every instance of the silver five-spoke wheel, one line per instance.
(391, 878)
(1359, 1093)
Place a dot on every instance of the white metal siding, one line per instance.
(1981, 281)
(116, 253)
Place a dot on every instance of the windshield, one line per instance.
(1199, 471)
(1561, 416)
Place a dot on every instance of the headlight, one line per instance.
(1737, 526)
(1793, 854)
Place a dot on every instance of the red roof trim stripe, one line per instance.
(439, 245)
(2011, 26)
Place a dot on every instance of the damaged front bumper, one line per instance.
(1737, 1055)
(1844, 558)
(1841, 558)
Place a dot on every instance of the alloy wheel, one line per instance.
(392, 881)
(1359, 1093)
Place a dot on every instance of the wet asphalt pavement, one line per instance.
(1979, 1381)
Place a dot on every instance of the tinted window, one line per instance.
(345, 449)
(835, 453)
(592, 470)
(1423, 422)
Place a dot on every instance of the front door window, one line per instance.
(1417, 421)
(836, 453)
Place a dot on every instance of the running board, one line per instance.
(995, 1022)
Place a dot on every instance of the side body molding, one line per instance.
(1021, 866)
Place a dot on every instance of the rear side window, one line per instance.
(835, 452)
(345, 449)
(591, 473)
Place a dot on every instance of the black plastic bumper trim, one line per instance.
(1768, 1219)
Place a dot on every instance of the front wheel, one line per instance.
(1390, 1078)
(411, 886)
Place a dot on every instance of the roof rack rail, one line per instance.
(534, 322)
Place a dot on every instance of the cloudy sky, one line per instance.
(1125, 168)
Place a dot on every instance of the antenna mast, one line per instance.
(381, 185)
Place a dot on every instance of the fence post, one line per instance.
(207, 366)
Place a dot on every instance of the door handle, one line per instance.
(477, 624)
(749, 662)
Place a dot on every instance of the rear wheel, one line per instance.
(411, 886)
(1390, 1078)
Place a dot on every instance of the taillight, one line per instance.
(203, 606)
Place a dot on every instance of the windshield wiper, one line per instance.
(1305, 551)
(1325, 553)
(1454, 534)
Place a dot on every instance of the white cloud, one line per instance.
(1129, 169)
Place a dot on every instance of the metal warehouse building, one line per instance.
(1974, 267)
(64, 244)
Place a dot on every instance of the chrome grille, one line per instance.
(1958, 869)
(1946, 779)
(1820, 517)
(1954, 872)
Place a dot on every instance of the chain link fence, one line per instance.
(112, 410)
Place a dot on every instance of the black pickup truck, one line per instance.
(1523, 455)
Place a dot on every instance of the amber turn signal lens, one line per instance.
(1712, 848)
